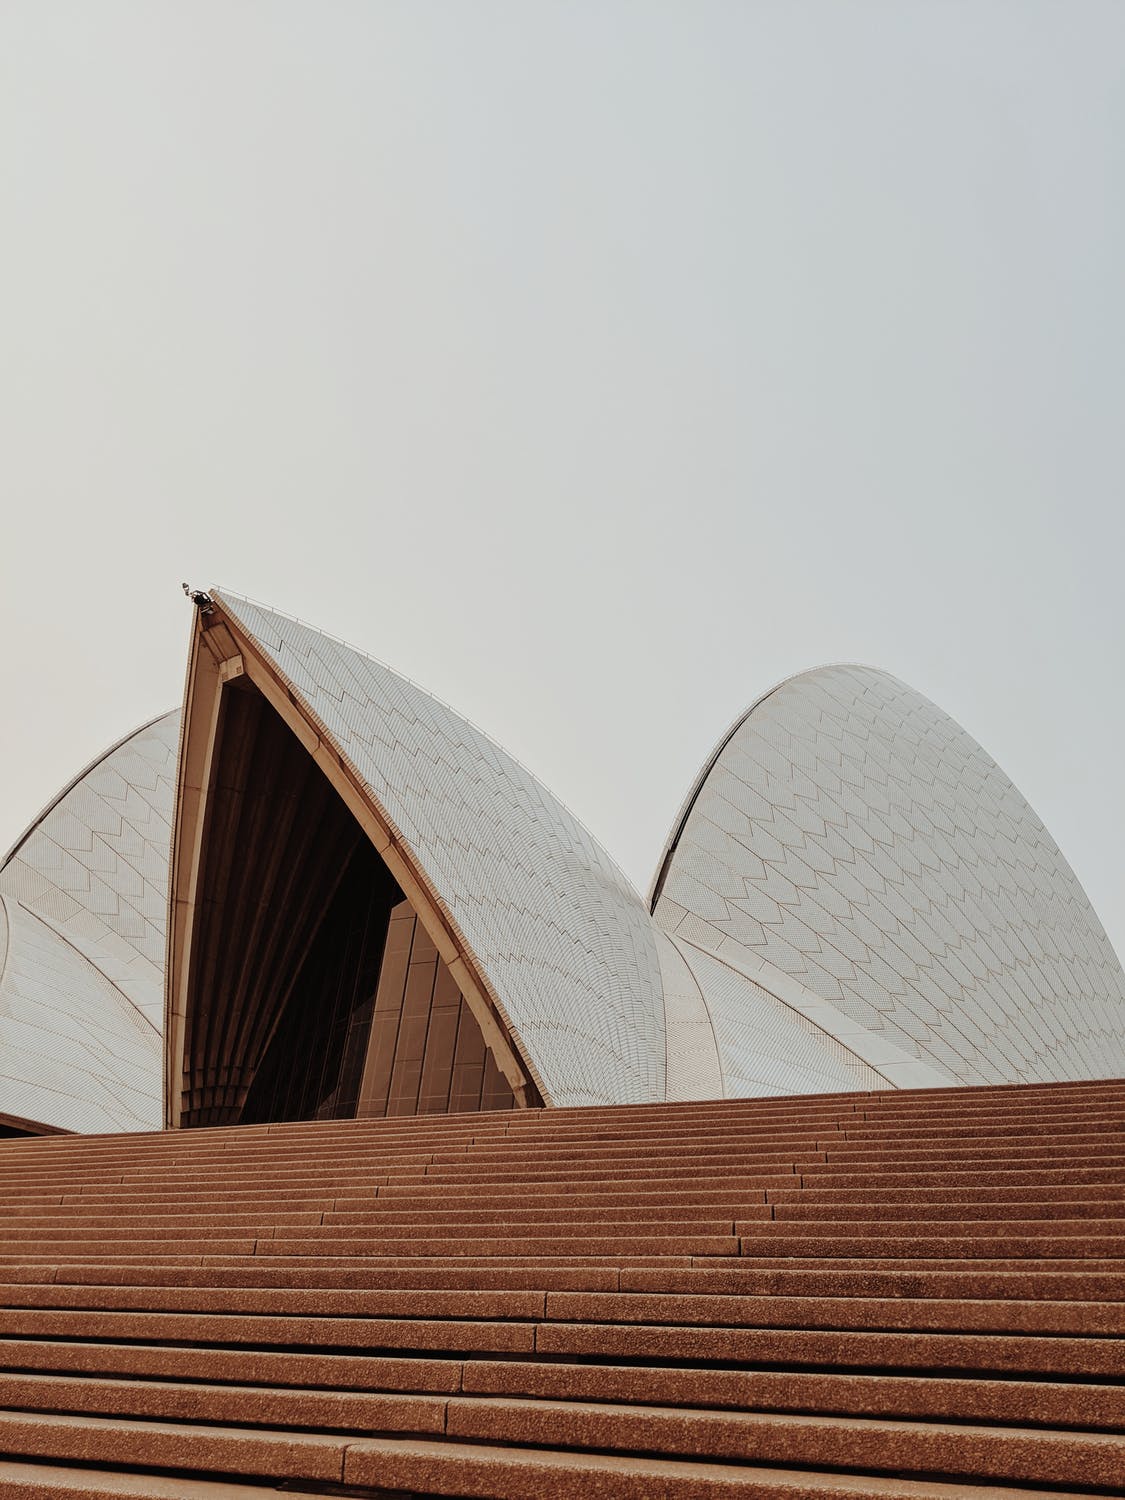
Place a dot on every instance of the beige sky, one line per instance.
(595, 364)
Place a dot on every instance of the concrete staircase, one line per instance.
(864, 1295)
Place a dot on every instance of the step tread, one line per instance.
(865, 1295)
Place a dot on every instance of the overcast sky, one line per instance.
(594, 364)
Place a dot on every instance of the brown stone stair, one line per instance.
(913, 1294)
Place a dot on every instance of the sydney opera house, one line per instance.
(315, 892)
(370, 1136)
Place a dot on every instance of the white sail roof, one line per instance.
(84, 895)
(854, 896)
(852, 839)
(562, 939)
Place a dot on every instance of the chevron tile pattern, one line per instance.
(854, 838)
(562, 936)
(82, 944)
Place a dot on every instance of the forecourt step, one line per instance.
(37, 1481)
(449, 1243)
(1112, 1264)
(889, 1445)
(1033, 1111)
(710, 1191)
(742, 1279)
(746, 1280)
(255, 1275)
(268, 1367)
(361, 1220)
(464, 1470)
(1081, 1405)
(815, 1441)
(1025, 1101)
(864, 1294)
(777, 1311)
(966, 1131)
(375, 1228)
(277, 1332)
(1094, 1357)
(819, 1194)
(783, 1188)
(1104, 1216)
(985, 1176)
(821, 1278)
(1005, 1169)
(919, 1223)
(700, 1243)
(920, 1243)
(379, 1263)
(663, 1218)
(1032, 1402)
(1106, 1209)
(773, 1311)
(841, 1147)
(1003, 1095)
(468, 1470)
(1025, 1354)
(280, 1455)
(984, 1264)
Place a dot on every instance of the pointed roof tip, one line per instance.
(229, 601)
(728, 734)
(201, 598)
(559, 939)
(80, 776)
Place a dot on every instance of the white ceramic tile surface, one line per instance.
(854, 837)
(857, 898)
(694, 1067)
(562, 937)
(766, 1046)
(85, 893)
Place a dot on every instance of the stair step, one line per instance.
(866, 1444)
(856, 1443)
(35, 1481)
(517, 1472)
(255, 1453)
(864, 1295)
(737, 1279)
(1035, 1403)
(703, 1309)
(471, 1469)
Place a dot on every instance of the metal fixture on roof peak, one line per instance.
(200, 598)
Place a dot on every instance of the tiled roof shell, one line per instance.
(563, 940)
(82, 930)
(851, 837)
(854, 895)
